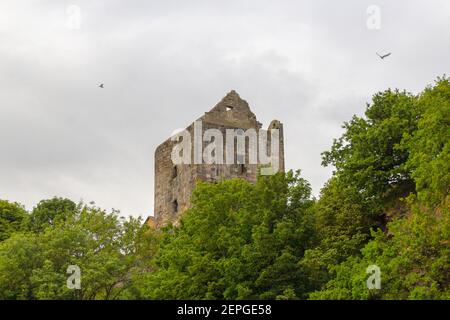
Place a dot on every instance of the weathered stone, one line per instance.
(174, 183)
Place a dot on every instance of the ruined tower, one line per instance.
(174, 183)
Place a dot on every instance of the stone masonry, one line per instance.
(174, 183)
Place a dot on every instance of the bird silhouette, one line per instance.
(384, 56)
(101, 86)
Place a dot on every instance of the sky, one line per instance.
(310, 64)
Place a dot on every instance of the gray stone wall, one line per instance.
(174, 183)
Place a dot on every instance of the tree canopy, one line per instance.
(386, 205)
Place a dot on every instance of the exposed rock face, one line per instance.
(174, 183)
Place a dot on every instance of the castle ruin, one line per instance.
(174, 183)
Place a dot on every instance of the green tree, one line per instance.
(49, 212)
(12, 218)
(412, 250)
(414, 259)
(387, 204)
(369, 155)
(429, 146)
(342, 221)
(105, 247)
(239, 241)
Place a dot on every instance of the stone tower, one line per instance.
(174, 183)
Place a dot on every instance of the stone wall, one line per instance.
(174, 183)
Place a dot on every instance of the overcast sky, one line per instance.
(310, 64)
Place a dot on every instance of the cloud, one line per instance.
(310, 64)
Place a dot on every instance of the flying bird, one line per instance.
(101, 86)
(384, 56)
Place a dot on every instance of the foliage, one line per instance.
(413, 249)
(49, 212)
(239, 241)
(105, 247)
(429, 146)
(386, 204)
(369, 156)
(414, 259)
(12, 218)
